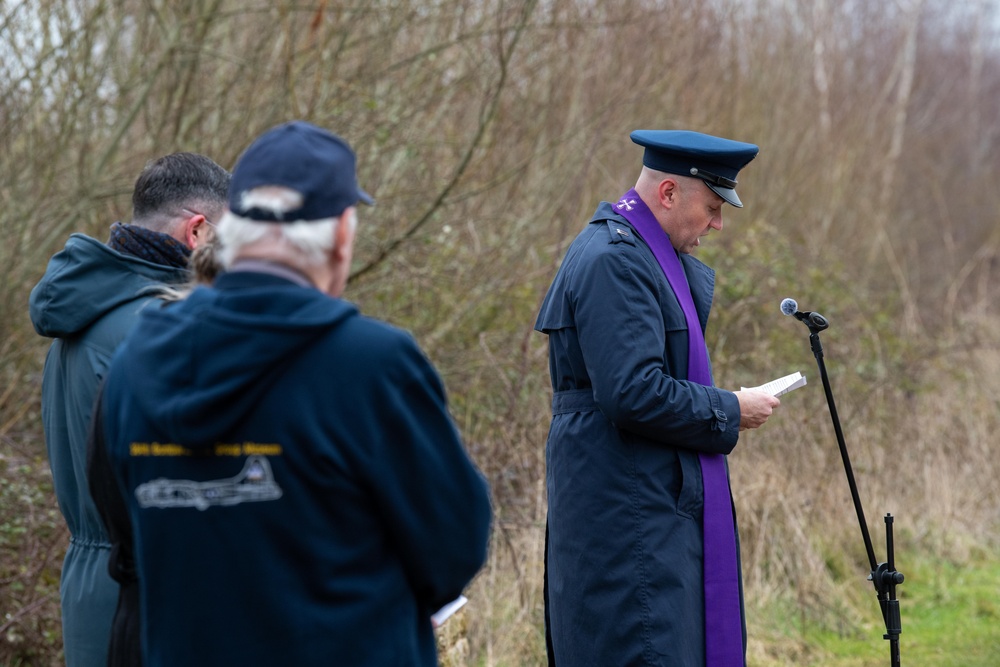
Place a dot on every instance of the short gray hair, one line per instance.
(311, 239)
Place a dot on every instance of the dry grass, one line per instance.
(488, 130)
(927, 459)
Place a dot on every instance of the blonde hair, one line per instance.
(205, 268)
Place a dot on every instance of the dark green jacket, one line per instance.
(87, 300)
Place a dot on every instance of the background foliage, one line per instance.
(488, 131)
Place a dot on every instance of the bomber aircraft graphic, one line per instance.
(255, 483)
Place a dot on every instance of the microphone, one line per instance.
(814, 321)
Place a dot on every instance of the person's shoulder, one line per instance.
(605, 232)
(611, 238)
(614, 228)
(366, 334)
(371, 350)
(379, 328)
(109, 329)
(619, 231)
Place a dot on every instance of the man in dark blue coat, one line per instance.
(298, 491)
(642, 556)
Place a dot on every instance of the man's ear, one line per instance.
(343, 234)
(667, 191)
(338, 268)
(197, 231)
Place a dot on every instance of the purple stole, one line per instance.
(723, 624)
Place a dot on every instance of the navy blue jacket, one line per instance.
(624, 558)
(298, 491)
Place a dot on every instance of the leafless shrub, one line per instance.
(488, 131)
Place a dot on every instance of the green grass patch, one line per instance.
(950, 618)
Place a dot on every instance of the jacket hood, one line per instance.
(198, 366)
(87, 279)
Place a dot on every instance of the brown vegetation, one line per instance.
(488, 130)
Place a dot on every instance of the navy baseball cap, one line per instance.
(315, 163)
(714, 160)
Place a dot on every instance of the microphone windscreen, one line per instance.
(788, 306)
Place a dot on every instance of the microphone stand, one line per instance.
(883, 576)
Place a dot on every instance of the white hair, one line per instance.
(311, 240)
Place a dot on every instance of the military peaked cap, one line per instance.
(714, 160)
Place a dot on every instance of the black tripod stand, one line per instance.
(883, 575)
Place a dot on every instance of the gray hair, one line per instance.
(312, 240)
(309, 240)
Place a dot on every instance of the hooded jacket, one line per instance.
(88, 299)
(298, 491)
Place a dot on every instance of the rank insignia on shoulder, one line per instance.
(620, 233)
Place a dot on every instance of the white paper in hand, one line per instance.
(782, 385)
(442, 614)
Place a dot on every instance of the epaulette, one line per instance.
(620, 233)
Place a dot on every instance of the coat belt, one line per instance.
(574, 400)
